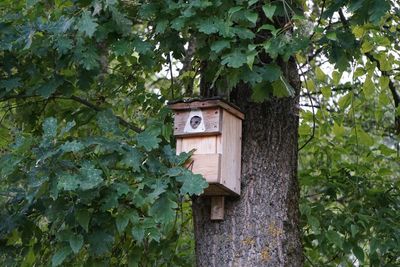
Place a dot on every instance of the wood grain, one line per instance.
(211, 117)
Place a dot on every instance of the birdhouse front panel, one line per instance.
(213, 129)
(198, 122)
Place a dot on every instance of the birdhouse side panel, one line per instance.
(198, 122)
(231, 152)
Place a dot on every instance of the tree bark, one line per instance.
(261, 228)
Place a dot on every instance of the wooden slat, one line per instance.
(208, 165)
(203, 144)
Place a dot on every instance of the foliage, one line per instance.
(349, 171)
(80, 184)
(349, 178)
(87, 171)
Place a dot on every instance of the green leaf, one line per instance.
(73, 146)
(50, 87)
(384, 82)
(269, 10)
(83, 218)
(110, 201)
(250, 58)
(233, 10)
(243, 33)
(90, 176)
(345, 100)
(364, 138)
(251, 2)
(161, 26)
(49, 128)
(89, 59)
(164, 209)
(59, 257)
(76, 243)
(331, 36)
(147, 140)
(220, 45)
(68, 182)
(270, 28)
(63, 45)
(135, 256)
(235, 59)
(314, 223)
(271, 72)
(338, 130)
(122, 48)
(358, 31)
(359, 253)
(108, 122)
(282, 88)
(260, 92)
(100, 243)
(368, 88)
(67, 128)
(192, 184)
(121, 221)
(335, 238)
(133, 158)
(336, 76)
(10, 84)
(176, 171)
(320, 75)
(87, 24)
(366, 47)
(354, 230)
(8, 164)
(378, 10)
(138, 233)
(178, 23)
(326, 91)
(210, 25)
(159, 187)
(29, 258)
(251, 16)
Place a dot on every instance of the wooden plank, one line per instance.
(208, 165)
(208, 104)
(211, 119)
(217, 208)
(203, 144)
(231, 152)
(178, 146)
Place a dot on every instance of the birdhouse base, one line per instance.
(218, 189)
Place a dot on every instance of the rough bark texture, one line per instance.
(261, 228)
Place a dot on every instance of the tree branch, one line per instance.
(79, 100)
(96, 108)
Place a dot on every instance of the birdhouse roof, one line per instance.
(199, 103)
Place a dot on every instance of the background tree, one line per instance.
(88, 175)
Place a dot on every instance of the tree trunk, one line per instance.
(261, 228)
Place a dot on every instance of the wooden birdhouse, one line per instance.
(213, 128)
